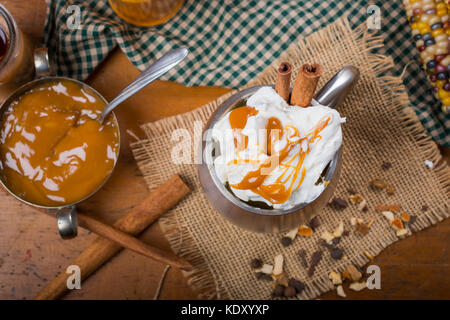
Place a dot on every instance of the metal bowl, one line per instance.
(254, 218)
(67, 223)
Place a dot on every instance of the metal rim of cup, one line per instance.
(232, 102)
(30, 85)
(13, 34)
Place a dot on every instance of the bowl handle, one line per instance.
(67, 222)
(337, 89)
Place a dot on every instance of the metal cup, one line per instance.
(257, 219)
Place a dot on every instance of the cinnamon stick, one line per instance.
(283, 84)
(131, 243)
(305, 85)
(134, 222)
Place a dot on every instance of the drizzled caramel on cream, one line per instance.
(53, 151)
(276, 192)
(238, 119)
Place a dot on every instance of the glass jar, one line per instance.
(146, 12)
(16, 55)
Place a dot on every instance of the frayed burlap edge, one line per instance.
(201, 278)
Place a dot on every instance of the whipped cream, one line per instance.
(280, 169)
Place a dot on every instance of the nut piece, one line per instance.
(266, 268)
(355, 221)
(362, 229)
(362, 205)
(405, 217)
(401, 233)
(291, 234)
(397, 224)
(339, 230)
(278, 265)
(340, 291)
(352, 273)
(281, 279)
(357, 286)
(389, 215)
(327, 237)
(356, 198)
(335, 277)
(377, 184)
(305, 231)
(390, 190)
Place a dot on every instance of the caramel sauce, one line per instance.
(274, 131)
(238, 119)
(277, 192)
(53, 151)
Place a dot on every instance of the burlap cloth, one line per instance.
(379, 128)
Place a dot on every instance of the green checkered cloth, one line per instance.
(228, 36)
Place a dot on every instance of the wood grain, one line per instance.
(31, 253)
(133, 222)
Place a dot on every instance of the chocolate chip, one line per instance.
(314, 223)
(286, 241)
(336, 253)
(346, 233)
(289, 292)
(315, 259)
(424, 208)
(302, 255)
(256, 263)
(365, 209)
(386, 165)
(351, 191)
(297, 285)
(278, 291)
(264, 276)
(412, 220)
(339, 203)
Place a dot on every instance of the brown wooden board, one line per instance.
(31, 252)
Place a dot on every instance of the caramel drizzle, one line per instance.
(277, 192)
(238, 120)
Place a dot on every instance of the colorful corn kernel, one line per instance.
(429, 21)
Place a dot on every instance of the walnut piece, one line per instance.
(278, 265)
(335, 278)
(357, 286)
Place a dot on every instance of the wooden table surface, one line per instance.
(31, 252)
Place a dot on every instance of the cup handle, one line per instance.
(335, 90)
(67, 222)
(42, 63)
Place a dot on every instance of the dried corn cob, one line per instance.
(429, 20)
